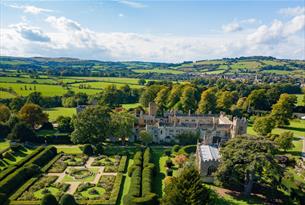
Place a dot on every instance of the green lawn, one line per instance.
(300, 100)
(156, 70)
(87, 193)
(27, 80)
(54, 113)
(6, 95)
(131, 105)
(101, 85)
(68, 178)
(72, 149)
(4, 144)
(39, 195)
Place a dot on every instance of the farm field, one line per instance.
(27, 80)
(246, 64)
(164, 71)
(131, 105)
(108, 79)
(6, 95)
(54, 113)
(101, 85)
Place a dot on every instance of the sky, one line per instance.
(156, 31)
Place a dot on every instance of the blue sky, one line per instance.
(170, 31)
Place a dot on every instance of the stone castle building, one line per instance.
(213, 130)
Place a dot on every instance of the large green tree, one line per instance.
(5, 113)
(245, 160)
(33, 114)
(122, 125)
(161, 100)
(146, 137)
(225, 100)
(174, 96)
(282, 111)
(188, 100)
(257, 100)
(187, 189)
(22, 132)
(92, 125)
(207, 102)
(284, 140)
(263, 125)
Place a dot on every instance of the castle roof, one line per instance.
(208, 152)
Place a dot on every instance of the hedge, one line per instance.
(11, 169)
(11, 183)
(23, 188)
(44, 157)
(2, 198)
(25, 202)
(188, 149)
(123, 163)
(4, 150)
(48, 165)
(113, 197)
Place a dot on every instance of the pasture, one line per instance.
(156, 70)
(55, 112)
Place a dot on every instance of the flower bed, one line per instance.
(80, 173)
(111, 163)
(68, 160)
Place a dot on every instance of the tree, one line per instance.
(188, 100)
(186, 138)
(141, 81)
(88, 150)
(91, 125)
(207, 102)
(263, 125)
(284, 140)
(49, 199)
(122, 125)
(22, 132)
(146, 137)
(67, 199)
(257, 100)
(282, 111)
(180, 159)
(174, 96)
(186, 189)
(35, 98)
(64, 124)
(5, 113)
(4, 130)
(149, 94)
(225, 100)
(33, 114)
(17, 103)
(161, 100)
(245, 160)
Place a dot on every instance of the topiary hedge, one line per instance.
(188, 149)
(122, 165)
(23, 188)
(44, 157)
(11, 169)
(11, 183)
(50, 163)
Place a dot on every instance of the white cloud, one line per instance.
(238, 25)
(31, 9)
(31, 33)
(132, 4)
(70, 38)
(278, 31)
(231, 27)
(294, 11)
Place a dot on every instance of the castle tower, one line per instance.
(152, 109)
(239, 126)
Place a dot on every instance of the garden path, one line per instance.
(303, 151)
(73, 187)
(89, 161)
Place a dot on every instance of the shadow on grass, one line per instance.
(299, 129)
(120, 197)
(157, 185)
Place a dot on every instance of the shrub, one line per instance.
(2, 198)
(44, 157)
(67, 199)
(49, 199)
(175, 148)
(9, 156)
(169, 172)
(167, 152)
(147, 158)
(88, 150)
(99, 149)
(12, 182)
(169, 163)
(122, 165)
(188, 149)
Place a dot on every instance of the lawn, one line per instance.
(246, 65)
(101, 85)
(108, 79)
(100, 191)
(69, 149)
(6, 95)
(68, 178)
(39, 194)
(4, 144)
(156, 70)
(54, 113)
(131, 105)
(300, 100)
(26, 80)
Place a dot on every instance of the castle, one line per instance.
(213, 130)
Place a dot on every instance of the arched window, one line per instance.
(211, 170)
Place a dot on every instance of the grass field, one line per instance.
(6, 95)
(300, 100)
(246, 64)
(296, 126)
(26, 80)
(131, 105)
(54, 113)
(100, 85)
(165, 71)
(108, 79)
(4, 144)
(69, 149)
